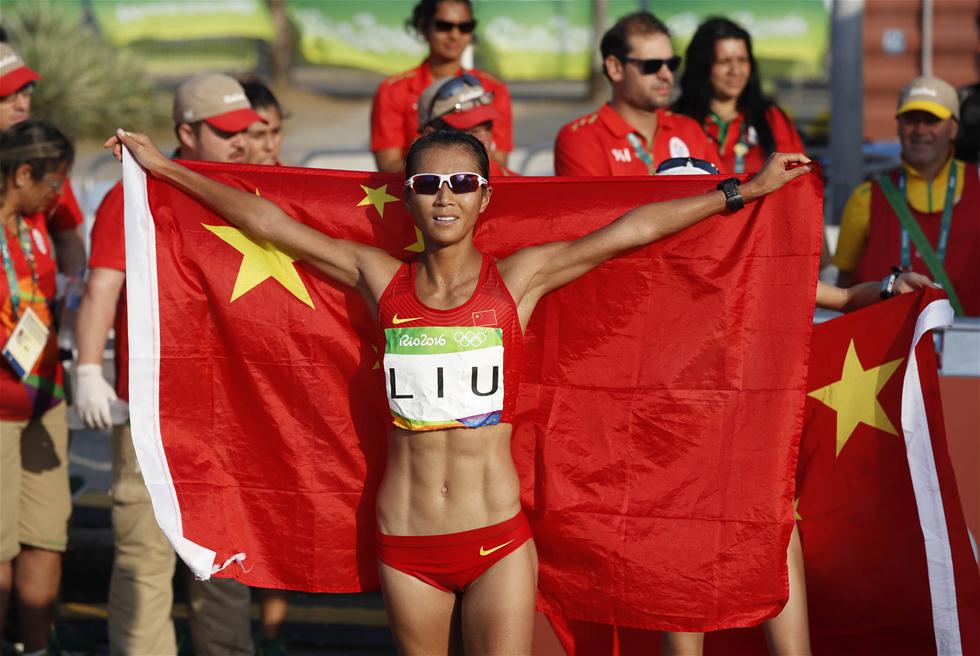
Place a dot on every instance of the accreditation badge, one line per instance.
(444, 377)
(26, 343)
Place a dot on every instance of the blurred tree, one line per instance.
(283, 47)
(89, 86)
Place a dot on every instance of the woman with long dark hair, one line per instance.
(35, 501)
(720, 90)
(449, 27)
(457, 561)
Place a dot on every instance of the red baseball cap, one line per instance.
(14, 73)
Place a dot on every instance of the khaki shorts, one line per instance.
(35, 499)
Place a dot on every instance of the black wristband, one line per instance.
(733, 195)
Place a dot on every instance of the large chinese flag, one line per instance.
(889, 566)
(660, 409)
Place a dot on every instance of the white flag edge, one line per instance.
(925, 484)
(144, 368)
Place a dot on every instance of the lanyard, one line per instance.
(641, 153)
(741, 146)
(8, 265)
(947, 219)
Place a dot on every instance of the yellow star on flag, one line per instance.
(419, 244)
(262, 260)
(855, 396)
(796, 508)
(377, 197)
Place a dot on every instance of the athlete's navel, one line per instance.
(445, 491)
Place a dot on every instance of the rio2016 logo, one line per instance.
(422, 340)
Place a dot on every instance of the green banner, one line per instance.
(126, 21)
(180, 37)
(367, 35)
(551, 39)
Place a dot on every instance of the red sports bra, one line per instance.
(456, 368)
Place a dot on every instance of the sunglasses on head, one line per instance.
(428, 184)
(466, 27)
(687, 162)
(651, 66)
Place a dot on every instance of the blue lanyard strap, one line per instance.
(944, 225)
(641, 152)
(8, 265)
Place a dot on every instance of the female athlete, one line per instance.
(458, 566)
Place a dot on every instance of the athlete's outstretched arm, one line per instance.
(347, 262)
(848, 299)
(533, 272)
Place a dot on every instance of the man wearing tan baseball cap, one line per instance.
(211, 114)
(932, 190)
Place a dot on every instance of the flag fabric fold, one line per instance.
(659, 413)
(888, 560)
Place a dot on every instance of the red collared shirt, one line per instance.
(724, 142)
(395, 112)
(598, 144)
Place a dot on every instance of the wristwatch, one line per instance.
(887, 289)
(733, 196)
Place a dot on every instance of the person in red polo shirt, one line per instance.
(461, 104)
(448, 26)
(720, 90)
(635, 131)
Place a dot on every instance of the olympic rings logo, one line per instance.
(470, 340)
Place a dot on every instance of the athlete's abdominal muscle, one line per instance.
(447, 481)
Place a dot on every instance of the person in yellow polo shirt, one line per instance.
(940, 193)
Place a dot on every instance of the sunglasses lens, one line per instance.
(652, 66)
(427, 185)
(464, 183)
(447, 26)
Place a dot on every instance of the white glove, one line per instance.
(93, 396)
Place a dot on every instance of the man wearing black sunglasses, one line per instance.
(634, 132)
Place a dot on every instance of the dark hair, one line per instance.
(36, 143)
(614, 41)
(696, 90)
(447, 139)
(259, 95)
(3, 34)
(425, 11)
